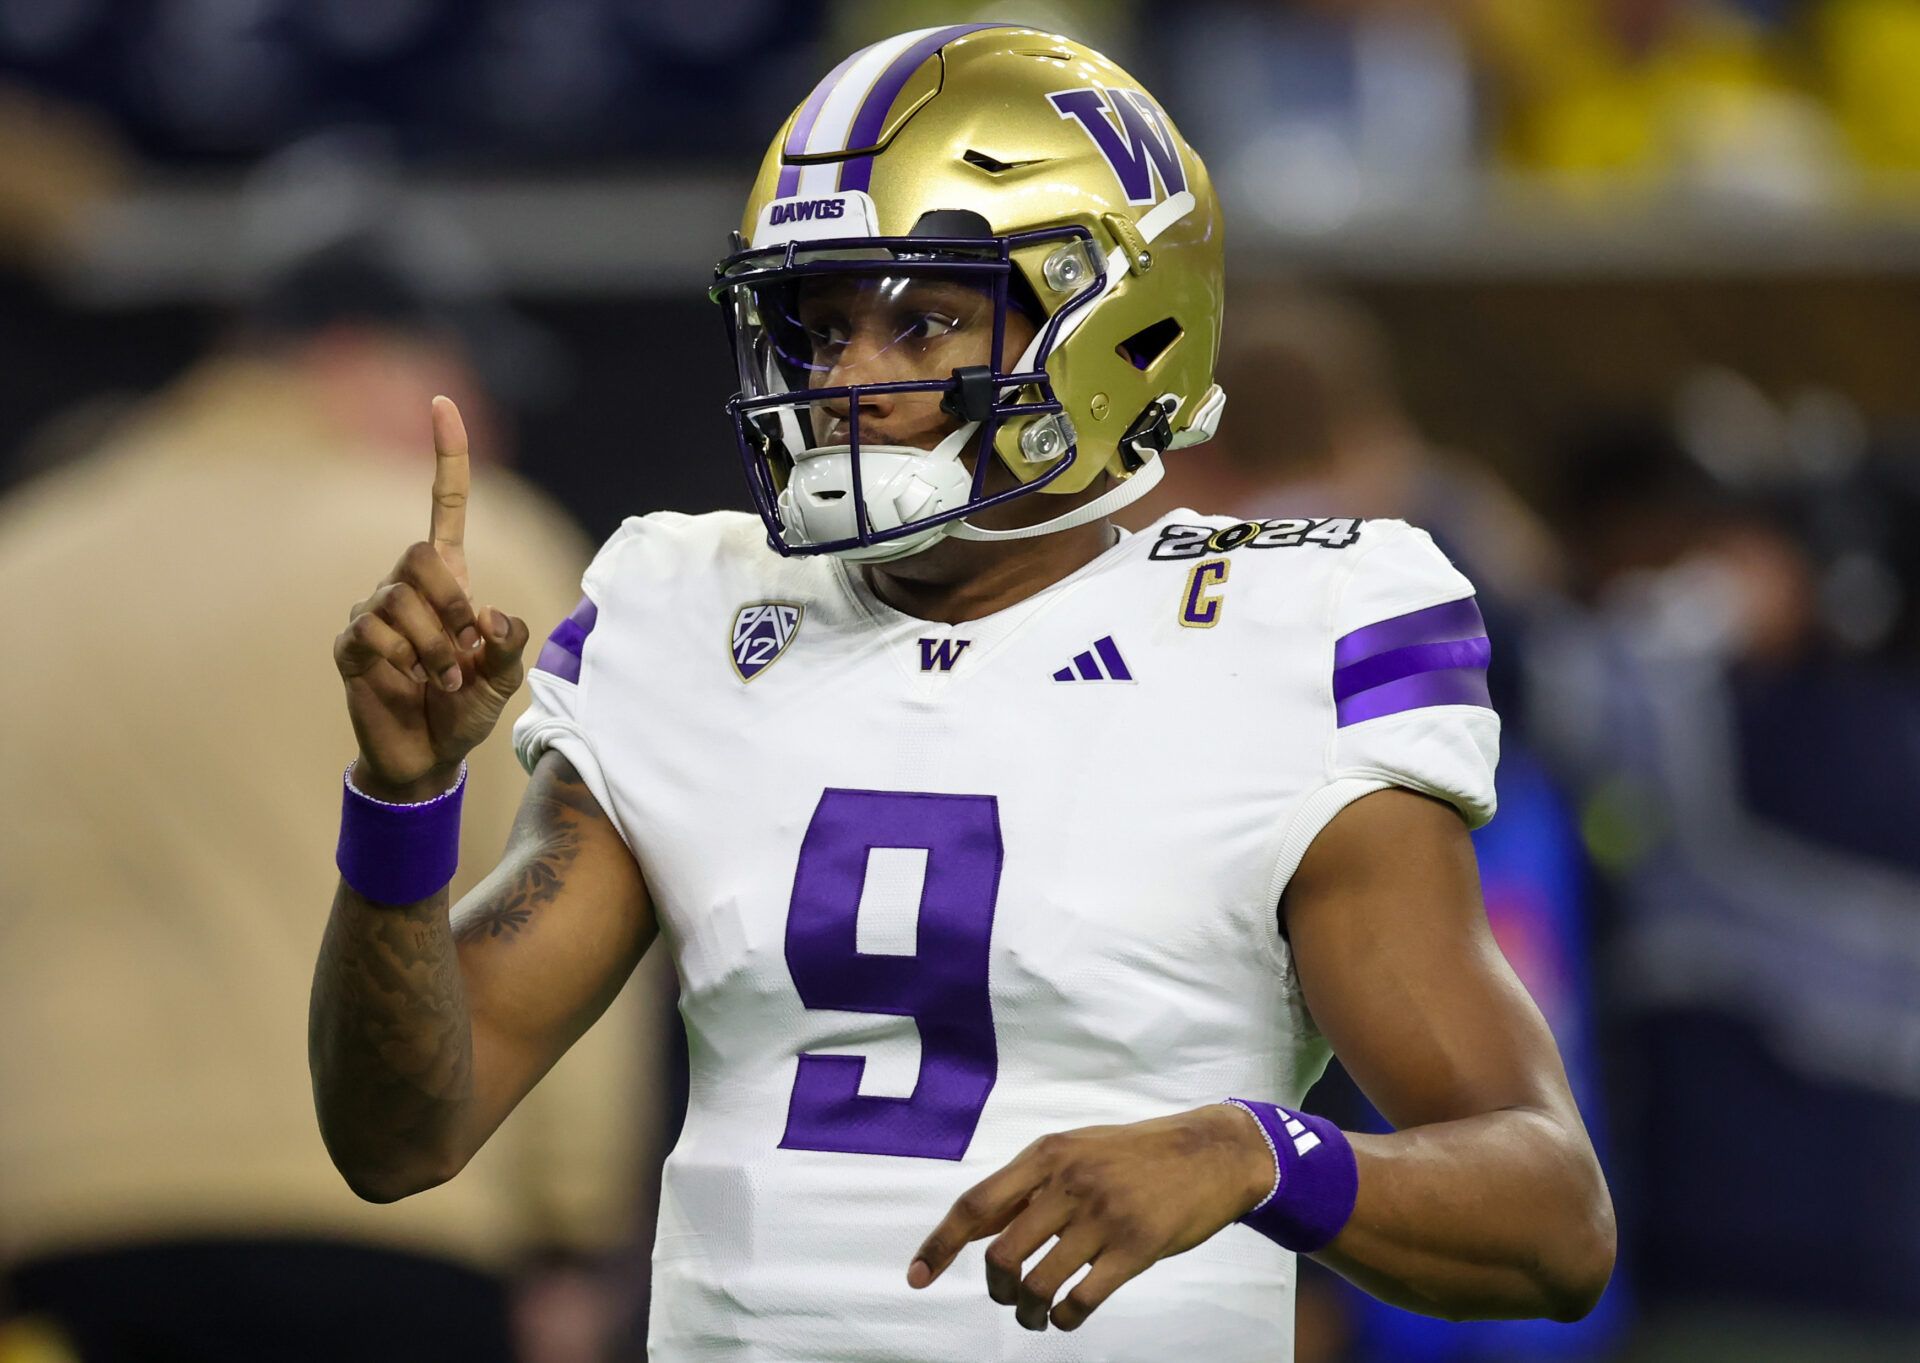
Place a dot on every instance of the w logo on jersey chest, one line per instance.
(761, 633)
(939, 655)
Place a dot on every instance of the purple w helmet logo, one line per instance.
(1132, 134)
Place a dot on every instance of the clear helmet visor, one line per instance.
(826, 333)
(875, 378)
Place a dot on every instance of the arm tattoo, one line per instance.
(545, 841)
(389, 1038)
(389, 1043)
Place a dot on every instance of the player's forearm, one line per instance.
(1500, 1215)
(390, 1046)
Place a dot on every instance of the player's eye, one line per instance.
(827, 338)
(929, 326)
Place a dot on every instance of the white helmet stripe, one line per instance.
(837, 112)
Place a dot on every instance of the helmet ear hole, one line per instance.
(1147, 345)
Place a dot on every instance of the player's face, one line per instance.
(893, 329)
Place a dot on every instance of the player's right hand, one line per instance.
(427, 672)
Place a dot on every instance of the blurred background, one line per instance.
(1619, 298)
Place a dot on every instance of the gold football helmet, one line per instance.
(931, 188)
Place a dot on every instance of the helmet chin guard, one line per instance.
(898, 485)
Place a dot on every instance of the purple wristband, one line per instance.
(1315, 1178)
(399, 854)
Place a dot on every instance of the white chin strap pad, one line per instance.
(1120, 494)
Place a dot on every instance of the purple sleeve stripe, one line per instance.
(1449, 686)
(1443, 623)
(871, 121)
(561, 654)
(1396, 663)
(562, 664)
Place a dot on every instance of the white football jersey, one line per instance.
(934, 891)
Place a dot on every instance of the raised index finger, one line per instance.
(449, 528)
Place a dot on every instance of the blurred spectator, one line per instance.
(1745, 746)
(172, 774)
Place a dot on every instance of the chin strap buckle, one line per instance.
(1150, 434)
(971, 398)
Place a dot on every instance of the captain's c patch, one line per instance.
(1200, 606)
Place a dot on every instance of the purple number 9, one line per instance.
(942, 986)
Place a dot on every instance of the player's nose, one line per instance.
(863, 361)
(869, 356)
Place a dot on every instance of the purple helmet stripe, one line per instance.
(1410, 661)
(1443, 623)
(872, 118)
(1449, 686)
(796, 144)
(564, 647)
(810, 111)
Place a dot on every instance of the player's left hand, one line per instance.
(1119, 1197)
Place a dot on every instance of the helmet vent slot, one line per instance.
(993, 165)
(1149, 343)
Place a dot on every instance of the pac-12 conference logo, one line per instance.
(1132, 134)
(761, 633)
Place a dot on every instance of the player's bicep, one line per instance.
(549, 937)
(1401, 972)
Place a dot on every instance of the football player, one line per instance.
(1020, 874)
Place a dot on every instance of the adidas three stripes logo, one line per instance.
(1108, 665)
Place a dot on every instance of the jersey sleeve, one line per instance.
(561, 681)
(1409, 675)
